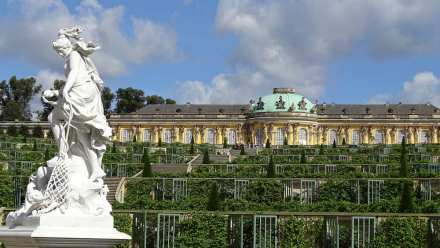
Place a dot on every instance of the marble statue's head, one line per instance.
(63, 46)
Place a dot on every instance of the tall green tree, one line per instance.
(16, 95)
(267, 143)
(107, 100)
(206, 159)
(147, 172)
(214, 198)
(406, 197)
(129, 100)
(271, 168)
(191, 148)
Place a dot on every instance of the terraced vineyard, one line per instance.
(289, 196)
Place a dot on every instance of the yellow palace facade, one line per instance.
(283, 116)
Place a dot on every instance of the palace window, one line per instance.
(400, 136)
(210, 136)
(188, 136)
(147, 135)
(356, 137)
(424, 137)
(279, 136)
(232, 137)
(333, 137)
(167, 136)
(302, 136)
(259, 136)
(379, 137)
(125, 135)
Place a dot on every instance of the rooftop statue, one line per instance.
(71, 183)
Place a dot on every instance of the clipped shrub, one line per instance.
(146, 172)
(213, 198)
(206, 159)
(271, 168)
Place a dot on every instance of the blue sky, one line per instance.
(230, 51)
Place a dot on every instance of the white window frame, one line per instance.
(332, 136)
(167, 135)
(232, 137)
(210, 136)
(356, 137)
(379, 137)
(259, 136)
(188, 136)
(279, 136)
(147, 135)
(125, 135)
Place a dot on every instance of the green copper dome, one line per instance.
(282, 100)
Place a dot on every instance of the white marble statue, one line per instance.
(71, 183)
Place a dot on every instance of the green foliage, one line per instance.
(293, 233)
(129, 100)
(123, 223)
(334, 144)
(23, 130)
(134, 138)
(191, 148)
(34, 145)
(159, 142)
(206, 159)
(147, 172)
(46, 155)
(6, 189)
(267, 143)
(203, 231)
(155, 99)
(107, 99)
(37, 132)
(406, 198)
(242, 151)
(285, 142)
(225, 142)
(343, 142)
(271, 168)
(214, 198)
(114, 150)
(400, 232)
(403, 160)
(12, 131)
(16, 96)
(303, 159)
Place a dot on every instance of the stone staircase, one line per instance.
(112, 184)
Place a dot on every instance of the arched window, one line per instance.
(332, 137)
(302, 136)
(210, 136)
(356, 137)
(125, 135)
(259, 136)
(188, 136)
(147, 135)
(379, 137)
(279, 136)
(400, 136)
(424, 137)
(167, 135)
(232, 135)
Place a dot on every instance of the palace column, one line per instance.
(434, 135)
(290, 140)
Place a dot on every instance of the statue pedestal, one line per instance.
(63, 231)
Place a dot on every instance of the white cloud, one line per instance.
(292, 42)
(423, 88)
(29, 33)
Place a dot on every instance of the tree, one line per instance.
(147, 172)
(37, 132)
(303, 157)
(285, 142)
(271, 168)
(155, 99)
(406, 198)
(267, 143)
(34, 146)
(129, 100)
(23, 130)
(214, 198)
(343, 142)
(225, 142)
(242, 151)
(12, 130)
(46, 154)
(159, 142)
(191, 148)
(107, 100)
(334, 144)
(47, 108)
(16, 95)
(206, 159)
(134, 138)
(114, 150)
